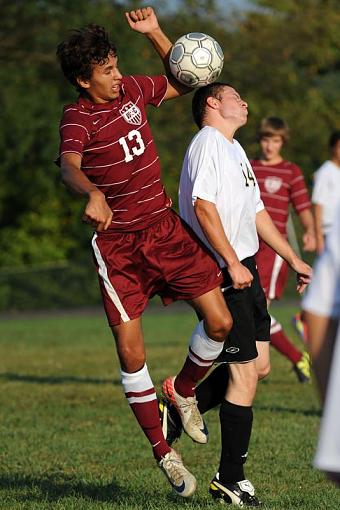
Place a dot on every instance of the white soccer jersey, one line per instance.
(326, 192)
(323, 298)
(219, 171)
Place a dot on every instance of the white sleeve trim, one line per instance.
(203, 196)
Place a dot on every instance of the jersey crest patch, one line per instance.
(272, 184)
(131, 113)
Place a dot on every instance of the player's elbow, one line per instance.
(201, 211)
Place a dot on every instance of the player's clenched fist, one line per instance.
(97, 213)
(142, 20)
(240, 275)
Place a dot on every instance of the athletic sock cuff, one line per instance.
(228, 409)
(138, 386)
(203, 348)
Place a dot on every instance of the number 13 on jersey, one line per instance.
(135, 149)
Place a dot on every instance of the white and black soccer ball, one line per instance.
(196, 59)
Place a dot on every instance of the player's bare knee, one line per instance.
(219, 329)
(130, 360)
(227, 324)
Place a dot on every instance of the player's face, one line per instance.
(233, 106)
(105, 82)
(271, 146)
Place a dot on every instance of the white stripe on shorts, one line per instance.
(108, 285)
(275, 274)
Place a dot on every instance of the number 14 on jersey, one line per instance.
(248, 175)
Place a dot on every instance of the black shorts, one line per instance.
(248, 308)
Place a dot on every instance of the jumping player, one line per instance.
(281, 184)
(220, 199)
(140, 246)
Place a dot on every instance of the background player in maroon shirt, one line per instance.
(281, 183)
(141, 247)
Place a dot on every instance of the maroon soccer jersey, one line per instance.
(118, 151)
(280, 185)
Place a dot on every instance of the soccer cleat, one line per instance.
(302, 368)
(240, 493)
(192, 421)
(300, 327)
(170, 420)
(182, 481)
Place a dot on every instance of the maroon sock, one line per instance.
(189, 376)
(148, 418)
(285, 346)
(142, 398)
(202, 353)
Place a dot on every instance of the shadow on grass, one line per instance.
(281, 409)
(53, 487)
(63, 379)
(56, 487)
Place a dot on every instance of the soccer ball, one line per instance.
(196, 59)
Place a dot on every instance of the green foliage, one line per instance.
(60, 285)
(284, 57)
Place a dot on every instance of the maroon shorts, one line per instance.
(165, 259)
(273, 271)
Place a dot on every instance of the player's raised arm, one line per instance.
(145, 22)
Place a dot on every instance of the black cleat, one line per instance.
(170, 420)
(240, 493)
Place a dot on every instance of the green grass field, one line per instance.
(70, 441)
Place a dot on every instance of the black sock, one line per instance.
(236, 424)
(210, 393)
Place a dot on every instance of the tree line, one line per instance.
(283, 57)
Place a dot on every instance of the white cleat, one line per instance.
(192, 421)
(182, 481)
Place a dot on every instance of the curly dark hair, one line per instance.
(83, 49)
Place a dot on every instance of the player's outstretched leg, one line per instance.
(142, 398)
(203, 351)
(182, 481)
